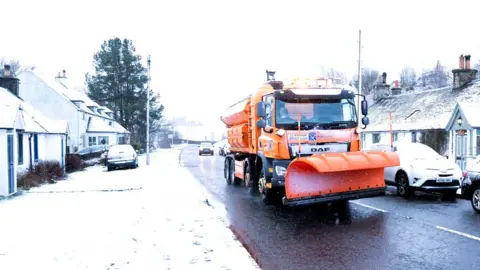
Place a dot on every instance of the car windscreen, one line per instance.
(206, 145)
(121, 148)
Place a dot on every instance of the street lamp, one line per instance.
(148, 112)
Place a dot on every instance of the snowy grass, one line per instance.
(163, 222)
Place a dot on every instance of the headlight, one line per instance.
(280, 170)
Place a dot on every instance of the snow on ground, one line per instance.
(160, 222)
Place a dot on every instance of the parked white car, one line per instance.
(421, 169)
(121, 155)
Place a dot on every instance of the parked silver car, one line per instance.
(121, 155)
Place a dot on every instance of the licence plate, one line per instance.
(444, 180)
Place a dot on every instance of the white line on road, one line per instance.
(458, 233)
(371, 207)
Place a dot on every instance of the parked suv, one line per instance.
(471, 185)
(121, 155)
(421, 169)
(205, 148)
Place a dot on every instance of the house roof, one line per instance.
(98, 125)
(419, 110)
(469, 111)
(119, 128)
(15, 109)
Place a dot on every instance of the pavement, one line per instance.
(387, 232)
(152, 217)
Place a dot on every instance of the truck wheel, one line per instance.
(268, 194)
(251, 180)
(403, 188)
(236, 180)
(226, 171)
(475, 200)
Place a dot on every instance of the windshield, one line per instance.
(205, 145)
(321, 114)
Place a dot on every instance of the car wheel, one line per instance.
(475, 200)
(403, 187)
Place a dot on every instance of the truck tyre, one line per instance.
(268, 194)
(251, 179)
(226, 171)
(234, 179)
(403, 187)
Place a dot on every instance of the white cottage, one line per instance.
(55, 100)
(428, 116)
(26, 136)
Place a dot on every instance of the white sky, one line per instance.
(207, 54)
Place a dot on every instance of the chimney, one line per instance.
(461, 64)
(8, 82)
(467, 61)
(62, 78)
(464, 74)
(381, 89)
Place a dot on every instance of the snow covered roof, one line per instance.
(419, 110)
(119, 128)
(98, 125)
(31, 119)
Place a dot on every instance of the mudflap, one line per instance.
(329, 177)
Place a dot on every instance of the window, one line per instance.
(20, 148)
(268, 99)
(92, 141)
(103, 140)
(376, 138)
(478, 142)
(395, 136)
(35, 147)
(414, 136)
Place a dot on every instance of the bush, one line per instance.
(74, 163)
(43, 172)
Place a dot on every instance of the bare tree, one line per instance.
(14, 65)
(408, 78)
(369, 78)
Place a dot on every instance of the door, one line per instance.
(461, 150)
(11, 164)
(62, 157)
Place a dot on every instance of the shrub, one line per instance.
(74, 163)
(28, 179)
(48, 171)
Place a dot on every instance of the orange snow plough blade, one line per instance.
(337, 176)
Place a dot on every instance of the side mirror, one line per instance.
(365, 121)
(364, 106)
(261, 123)
(261, 109)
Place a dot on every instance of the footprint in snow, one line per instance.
(195, 242)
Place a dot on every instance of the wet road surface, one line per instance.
(375, 233)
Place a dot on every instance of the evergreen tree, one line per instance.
(119, 83)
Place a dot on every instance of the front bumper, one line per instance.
(434, 186)
(350, 195)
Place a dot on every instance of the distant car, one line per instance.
(226, 149)
(471, 185)
(205, 148)
(421, 169)
(121, 155)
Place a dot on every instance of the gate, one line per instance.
(11, 165)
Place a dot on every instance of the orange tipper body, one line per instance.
(315, 160)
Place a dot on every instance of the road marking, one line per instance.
(371, 207)
(458, 233)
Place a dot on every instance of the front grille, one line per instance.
(445, 175)
(433, 183)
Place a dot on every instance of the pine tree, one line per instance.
(119, 83)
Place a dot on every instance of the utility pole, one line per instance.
(359, 74)
(148, 112)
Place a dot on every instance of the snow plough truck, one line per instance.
(298, 142)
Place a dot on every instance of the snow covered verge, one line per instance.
(153, 217)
